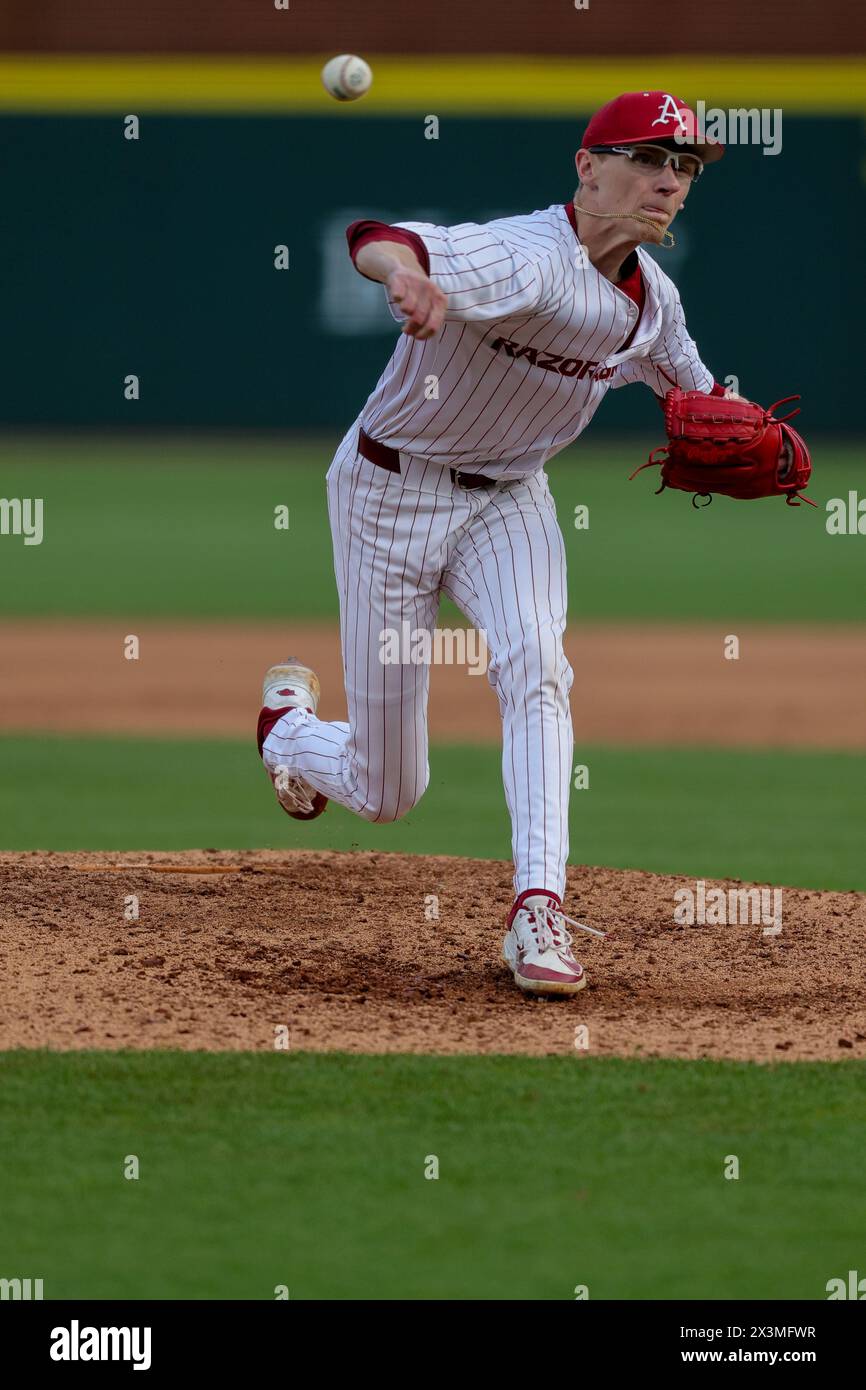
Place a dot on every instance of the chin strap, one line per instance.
(634, 217)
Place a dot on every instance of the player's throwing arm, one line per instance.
(399, 269)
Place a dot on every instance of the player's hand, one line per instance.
(420, 299)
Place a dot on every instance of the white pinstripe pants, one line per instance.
(400, 540)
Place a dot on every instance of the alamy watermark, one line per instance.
(737, 126)
(22, 516)
(854, 1287)
(720, 907)
(77, 1343)
(846, 517)
(21, 1289)
(418, 646)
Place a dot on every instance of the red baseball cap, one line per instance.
(649, 118)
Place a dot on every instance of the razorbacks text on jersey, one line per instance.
(533, 338)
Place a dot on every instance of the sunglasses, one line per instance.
(687, 167)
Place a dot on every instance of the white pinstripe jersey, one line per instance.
(533, 338)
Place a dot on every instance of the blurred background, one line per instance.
(154, 156)
(155, 254)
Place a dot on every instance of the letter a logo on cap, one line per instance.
(669, 110)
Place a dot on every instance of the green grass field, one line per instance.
(308, 1171)
(168, 528)
(791, 818)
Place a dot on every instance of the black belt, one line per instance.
(385, 457)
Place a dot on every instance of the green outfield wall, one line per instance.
(154, 257)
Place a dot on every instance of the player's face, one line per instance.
(635, 186)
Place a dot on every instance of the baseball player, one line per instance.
(512, 333)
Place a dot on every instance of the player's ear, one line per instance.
(583, 163)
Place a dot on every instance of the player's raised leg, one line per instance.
(289, 687)
(376, 763)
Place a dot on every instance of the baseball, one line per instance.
(347, 77)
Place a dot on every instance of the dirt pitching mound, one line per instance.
(329, 951)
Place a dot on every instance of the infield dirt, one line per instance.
(790, 687)
(343, 953)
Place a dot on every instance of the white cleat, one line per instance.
(537, 947)
(288, 686)
(291, 686)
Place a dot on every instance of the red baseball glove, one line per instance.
(720, 444)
